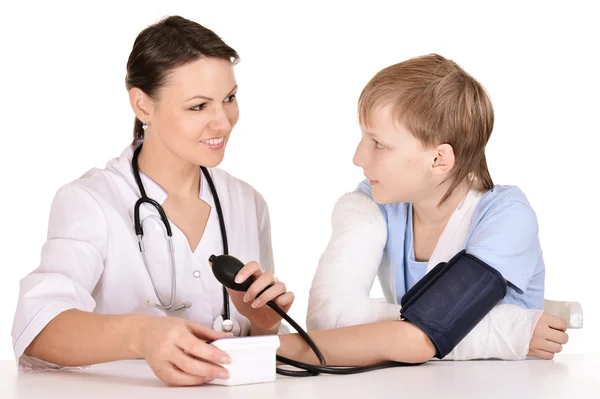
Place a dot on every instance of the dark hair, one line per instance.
(168, 44)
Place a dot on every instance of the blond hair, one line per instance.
(438, 103)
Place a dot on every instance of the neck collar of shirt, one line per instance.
(153, 189)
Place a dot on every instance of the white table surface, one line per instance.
(567, 376)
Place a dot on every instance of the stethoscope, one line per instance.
(225, 268)
(221, 323)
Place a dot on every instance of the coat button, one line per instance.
(196, 273)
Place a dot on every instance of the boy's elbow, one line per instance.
(320, 315)
(326, 313)
(416, 347)
(315, 323)
(424, 350)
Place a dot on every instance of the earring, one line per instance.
(144, 125)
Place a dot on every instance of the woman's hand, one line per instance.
(177, 351)
(263, 320)
(548, 338)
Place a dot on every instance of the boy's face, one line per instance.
(397, 165)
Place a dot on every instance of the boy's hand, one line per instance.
(548, 337)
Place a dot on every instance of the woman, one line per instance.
(104, 285)
(103, 290)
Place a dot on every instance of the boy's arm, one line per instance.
(373, 343)
(504, 333)
(506, 238)
(339, 295)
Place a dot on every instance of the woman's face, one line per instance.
(195, 111)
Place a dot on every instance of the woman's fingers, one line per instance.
(266, 285)
(198, 367)
(174, 377)
(202, 350)
(270, 294)
(260, 284)
(205, 333)
(250, 269)
(285, 301)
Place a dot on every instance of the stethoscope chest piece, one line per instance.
(227, 326)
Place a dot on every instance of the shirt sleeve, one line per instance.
(507, 239)
(72, 260)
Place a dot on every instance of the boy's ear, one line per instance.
(443, 161)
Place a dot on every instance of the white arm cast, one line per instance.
(339, 295)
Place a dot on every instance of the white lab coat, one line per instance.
(91, 259)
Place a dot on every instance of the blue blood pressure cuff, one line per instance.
(450, 300)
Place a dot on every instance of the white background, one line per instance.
(64, 110)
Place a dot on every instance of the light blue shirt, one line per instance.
(503, 234)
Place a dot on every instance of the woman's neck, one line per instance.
(176, 176)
